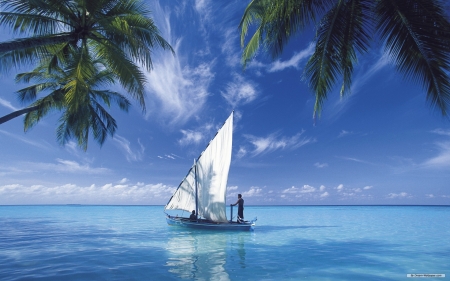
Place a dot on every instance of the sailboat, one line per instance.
(204, 188)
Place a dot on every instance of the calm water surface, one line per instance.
(289, 243)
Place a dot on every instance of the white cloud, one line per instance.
(252, 192)
(320, 165)
(382, 62)
(344, 133)
(239, 92)
(130, 153)
(177, 89)
(7, 104)
(325, 194)
(169, 156)
(292, 62)
(24, 139)
(442, 160)
(367, 187)
(398, 195)
(235, 187)
(196, 136)
(65, 166)
(190, 137)
(295, 190)
(355, 160)
(272, 143)
(201, 5)
(242, 152)
(340, 106)
(229, 49)
(340, 187)
(442, 132)
(124, 180)
(73, 194)
(322, 188)
(182, 92)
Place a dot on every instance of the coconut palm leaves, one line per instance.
(70, 40)
(116, 31)
(415, 33)
(75, 92)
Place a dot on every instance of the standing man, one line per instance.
(240, 201)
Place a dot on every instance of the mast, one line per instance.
(196, 189)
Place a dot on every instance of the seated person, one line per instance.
(193, 217)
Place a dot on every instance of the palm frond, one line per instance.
(417, 38)
(129, 75)
(323, 67)
(51, 102)
(277, 21)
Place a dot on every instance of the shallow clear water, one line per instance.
(289, 243)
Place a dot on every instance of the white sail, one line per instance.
(184, 196)
(211, 177)
(213, 166)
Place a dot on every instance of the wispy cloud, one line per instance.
(65, 166)
(359, 80)
(442, 160)
(170, 156)
(131, 154)
(190, 137)
(177, 89)
(229, 47)
(292, 62)
(320, 165)
(195, 136)
(442, 132)
(356, 160)
(239, 91)
(241, 152)
(180, 90)
(274, 142)
(25, 140)
(344, 133)
(7, 104)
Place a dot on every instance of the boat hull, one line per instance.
(204, 224)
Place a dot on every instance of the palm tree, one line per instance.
(118, 32)
(415, 34)
(82, 115)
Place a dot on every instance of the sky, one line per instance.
(381, 144)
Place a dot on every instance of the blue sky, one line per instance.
(382, 144)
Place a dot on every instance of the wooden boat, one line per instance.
(204, 188)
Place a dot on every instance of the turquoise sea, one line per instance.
(288, 243)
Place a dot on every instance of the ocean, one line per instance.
(289, 243)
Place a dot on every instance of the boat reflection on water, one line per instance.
(241, 250)
(207, 255)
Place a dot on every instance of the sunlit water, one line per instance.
(289, 243)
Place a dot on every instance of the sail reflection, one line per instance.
(204, 256)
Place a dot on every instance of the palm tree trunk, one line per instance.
(20, 44)
(17, 113)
